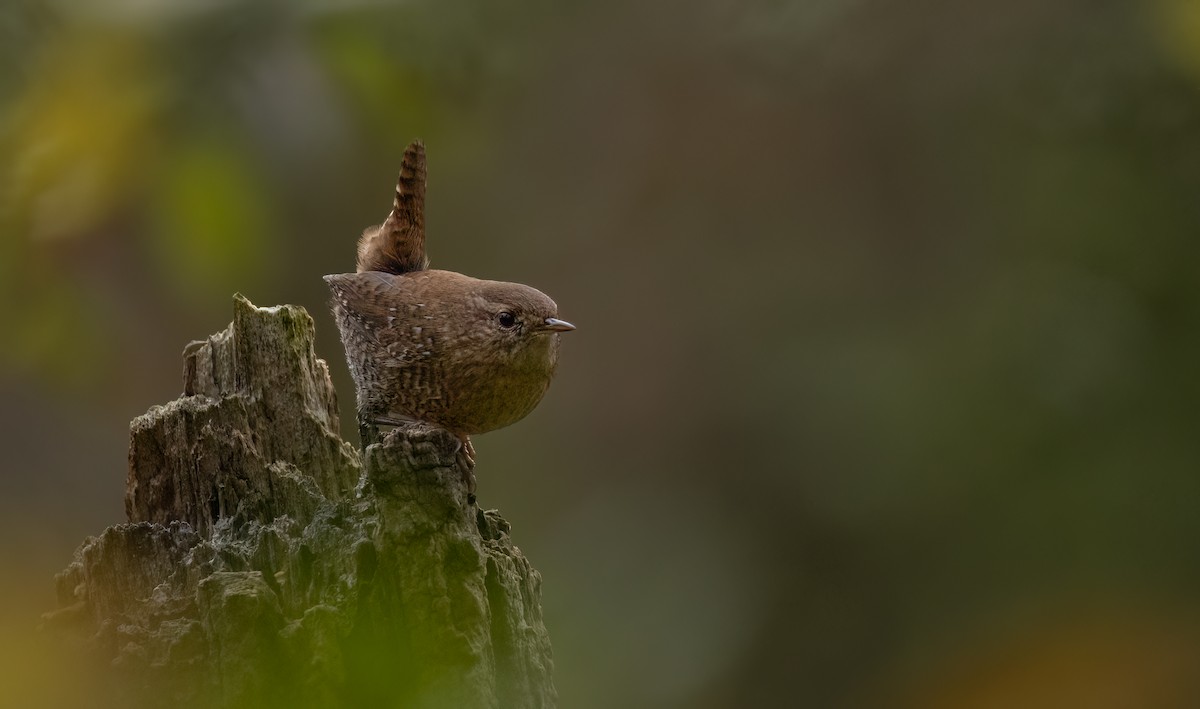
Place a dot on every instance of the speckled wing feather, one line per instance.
(356, 307)
(398, 245)
(389, 345)
(361, 297)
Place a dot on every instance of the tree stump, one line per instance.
(265, 564)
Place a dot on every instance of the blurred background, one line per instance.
(885, 387)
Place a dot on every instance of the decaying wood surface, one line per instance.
(265, 564)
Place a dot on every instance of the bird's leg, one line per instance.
(368, 430)
(466, 463)
(369, 423)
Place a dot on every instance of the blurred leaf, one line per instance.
(1178, 24)
(82, 133)
(79, 134)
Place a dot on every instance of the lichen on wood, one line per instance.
(265, 563)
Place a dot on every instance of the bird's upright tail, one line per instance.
(398, 245)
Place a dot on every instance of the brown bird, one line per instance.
(435, 346)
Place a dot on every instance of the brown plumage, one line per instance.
(436, 346)
(398, 245)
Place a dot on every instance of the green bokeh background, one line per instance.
(885, 387)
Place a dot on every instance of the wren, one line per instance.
(433, 346)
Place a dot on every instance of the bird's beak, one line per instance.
(556, 325)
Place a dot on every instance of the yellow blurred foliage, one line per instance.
(82, 133)
(80, 136)
(1178, 26)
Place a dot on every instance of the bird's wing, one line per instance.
(372, 304)
(364, 296)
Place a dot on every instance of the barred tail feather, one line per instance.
(398, 245)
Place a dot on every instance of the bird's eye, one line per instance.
(506, 319)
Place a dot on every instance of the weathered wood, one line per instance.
(265, 565)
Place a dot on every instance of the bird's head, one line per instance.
(516, 318)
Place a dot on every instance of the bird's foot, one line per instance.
(467, 452)
(368, 432)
